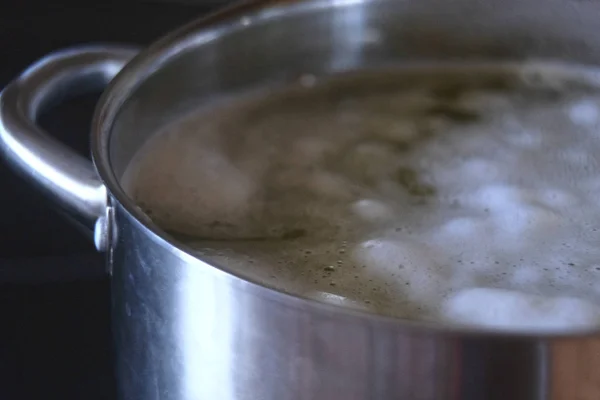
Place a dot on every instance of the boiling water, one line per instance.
(461, 194)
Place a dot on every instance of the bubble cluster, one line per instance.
(463, 194)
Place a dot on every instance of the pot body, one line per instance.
(187, 330)
(183, 331)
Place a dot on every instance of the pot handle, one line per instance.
(64, 175)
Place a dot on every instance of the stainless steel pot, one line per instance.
(186, 330)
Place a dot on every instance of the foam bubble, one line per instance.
(479, 169)
(412, 262)
(338, 300)
(584, 113)
(462, 229)
(526, 219)
(495, 198)
(558, 198)
(509, 309)
(373, 210)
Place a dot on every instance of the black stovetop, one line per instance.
(55, 334)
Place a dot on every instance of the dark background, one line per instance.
(55, 339)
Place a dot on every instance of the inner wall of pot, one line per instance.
(275, 47)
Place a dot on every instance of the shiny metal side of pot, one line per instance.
(186, 330)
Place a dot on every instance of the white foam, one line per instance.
(462, 228)
(558, 198)
(492, 219)
(584, 113)
(495, 198)
(477, 169)
(338, 300)
(526, 219)
(373, 210)
(507, 309)
(419, 276)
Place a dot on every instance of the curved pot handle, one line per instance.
(64, 175)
